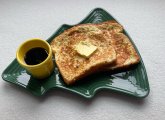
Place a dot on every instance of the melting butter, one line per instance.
(85, 49)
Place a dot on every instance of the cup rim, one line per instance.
(25, 42)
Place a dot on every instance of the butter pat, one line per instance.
(85, 48)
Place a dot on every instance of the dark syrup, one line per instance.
(35, 56)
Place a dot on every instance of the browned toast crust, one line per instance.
(115, 51)
(125, 51)
(71, 65)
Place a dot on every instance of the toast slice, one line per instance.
(80, 51)
(125, 52)
(114, 50)
(89, 29)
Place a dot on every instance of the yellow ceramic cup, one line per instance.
(41, 70)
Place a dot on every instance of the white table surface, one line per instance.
(24, 19)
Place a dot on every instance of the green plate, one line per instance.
(133, 82)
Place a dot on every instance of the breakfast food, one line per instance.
(125, 52)
(80, 51)
(88, 48)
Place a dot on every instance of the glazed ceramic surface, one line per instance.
(133, 82)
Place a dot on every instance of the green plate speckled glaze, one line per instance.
(133, 82)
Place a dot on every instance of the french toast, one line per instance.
(70, 59)
(125, 52)
(111, 50)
